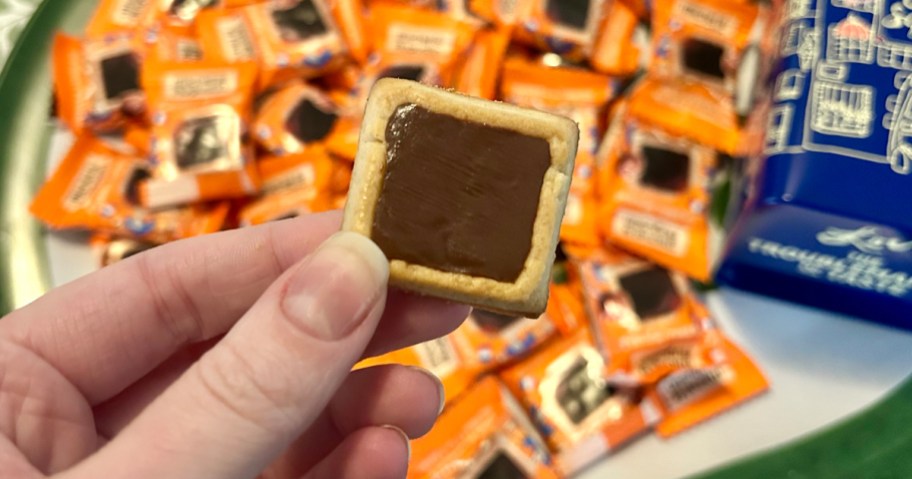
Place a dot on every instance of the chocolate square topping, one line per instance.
(459, 196)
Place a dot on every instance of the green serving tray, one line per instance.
(873, 444)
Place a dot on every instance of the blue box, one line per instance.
(828, 216)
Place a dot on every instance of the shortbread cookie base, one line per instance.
(528, 295)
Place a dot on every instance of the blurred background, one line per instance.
(731, 290)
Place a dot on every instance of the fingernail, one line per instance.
(333, 291)
(408, 442)
(454, 310)
(441, 391)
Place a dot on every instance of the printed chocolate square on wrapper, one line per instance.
(464, 196)
(484, 434)
(583, 412)
(567, 27)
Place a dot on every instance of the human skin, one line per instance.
(226, 356)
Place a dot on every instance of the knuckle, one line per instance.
(180, 317)
(261, 396)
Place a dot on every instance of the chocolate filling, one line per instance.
(502, 467)
(299, 22)
(571, 13)
(120, 75)
(459, 196)
(309, 123)
(704, 58)
(652, 292)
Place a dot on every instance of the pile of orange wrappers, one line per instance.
(194, 116)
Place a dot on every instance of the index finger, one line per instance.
(110, 328)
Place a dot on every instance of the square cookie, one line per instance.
(464, 196)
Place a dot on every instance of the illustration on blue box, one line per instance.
(829, 205)
(845, 86)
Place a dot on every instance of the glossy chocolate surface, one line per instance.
(459, 196)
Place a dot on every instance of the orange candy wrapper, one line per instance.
(296, 118)
(566, 309)
(501, 13)
(442, 357)
(657, 193)
(715, 43)
(458, 9)
(409, 43)
(96, 82)
(152, 16)
(345, 78)
(139, 137)
(118, 16)
(582, 413)
(341, 177)
(410, 36)
(479, 71)
(634, 304)
(181, 15)
(96, 186)
(344, 141)
(566, 28)
(484, 434)
(109, 250)
(177, 46)
(198, 112)
(494, 339)
(623, 42)
(648, 366)
(228, 35)
(642, 8)
(693, 395)
(288, 39)
(689, 110)
(581, 96)
(293, 185)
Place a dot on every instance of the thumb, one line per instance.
(237, 409)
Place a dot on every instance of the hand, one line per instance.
(227, 356)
